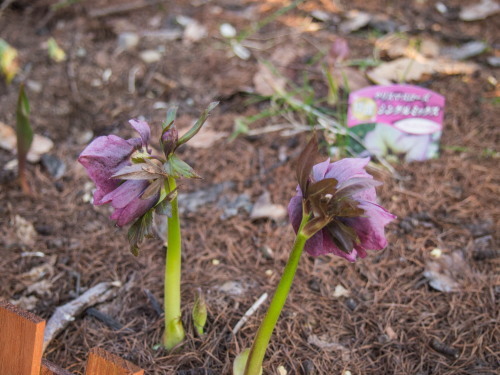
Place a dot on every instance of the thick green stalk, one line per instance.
(174, 331)
(258, 351)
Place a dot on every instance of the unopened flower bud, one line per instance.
(199, 313)
(169, 140)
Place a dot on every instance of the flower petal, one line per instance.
(135, 209)
(142, 127)
(320, 169)
(102, 158)
(345, 169)
(314, 245)
(125, 193)
(295, 212)
(370, 229)
(329, 247)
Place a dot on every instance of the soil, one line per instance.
(391, 322)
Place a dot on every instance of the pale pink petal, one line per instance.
(348, 168)
(320, 169)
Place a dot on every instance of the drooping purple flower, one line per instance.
(339, 51)
(105, 157)
(340, 197)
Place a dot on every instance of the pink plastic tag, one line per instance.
(404, 119)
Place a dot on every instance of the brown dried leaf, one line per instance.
(264, 209)
(267, 82)
(406, 69)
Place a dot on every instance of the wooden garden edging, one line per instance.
(21, 339)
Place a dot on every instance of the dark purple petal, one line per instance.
(370, 228)
(295, 211)
(135, 209)
(142, 127)
(329, 247)
(363, 230)
(125, 193)
(314, 245)
(103, 157)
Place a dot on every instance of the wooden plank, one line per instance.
(48, 368)
(21, 339)
(100, 362)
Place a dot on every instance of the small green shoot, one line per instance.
(24, 134)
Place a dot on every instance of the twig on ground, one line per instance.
(106, 319)
(249, 313)
(121, 8)
(154, 302)
(66, 313)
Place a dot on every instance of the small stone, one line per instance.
(127, 41)
(55, 166)
(340, 291)
(227, 30)
(34, 86)
(307, 367)
(436, 253)
(314, 285)
(351, 304)
(494, 61)
(150, 56)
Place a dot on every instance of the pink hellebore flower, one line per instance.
(107, 155)
(354, 222)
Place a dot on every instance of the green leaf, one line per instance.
(240, 363)
(171, 113)
(199, 313)
(23, 129)
(197, 126)
(142, 227)
(164, 208)
(176, 168)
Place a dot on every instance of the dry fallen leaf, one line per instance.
(8, 141)
(25, 231)
(264, 209)
(355, 20)
(329, 346)
(445, 272)
(25, 303)
(267, 82)
(406, 69)
(354, 78)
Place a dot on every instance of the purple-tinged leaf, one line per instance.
(153, 189)
(305, 164)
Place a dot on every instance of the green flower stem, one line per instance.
(174, 331)
(258, 351)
